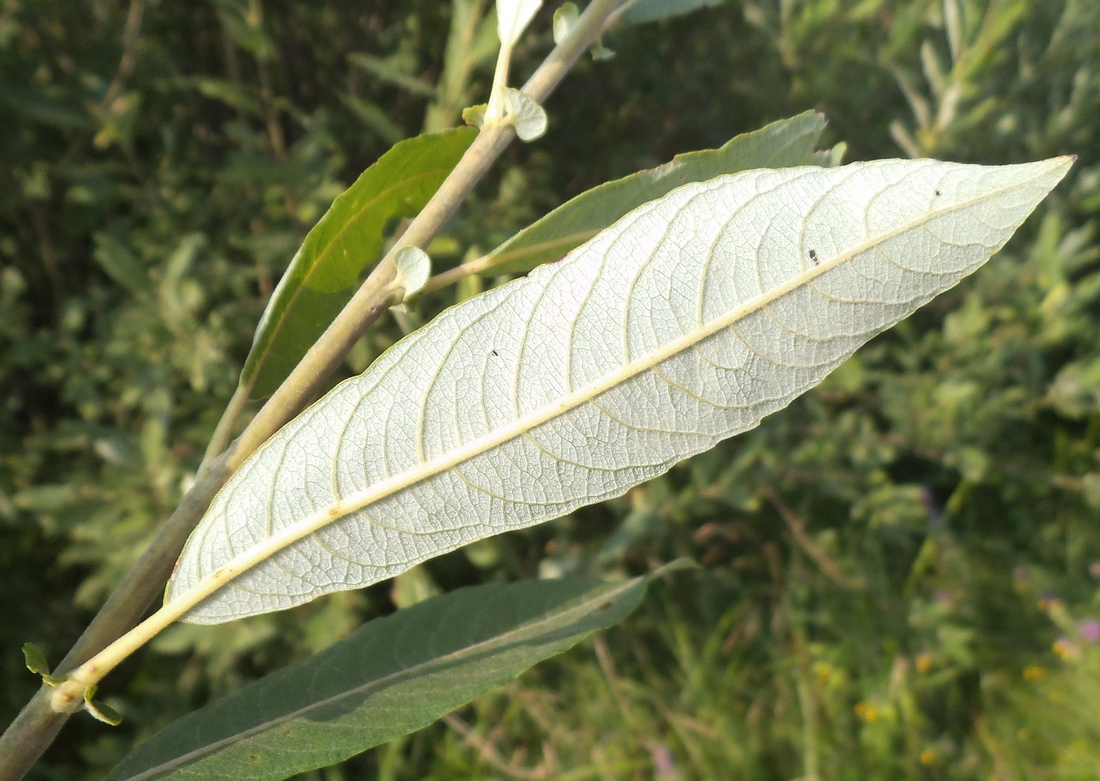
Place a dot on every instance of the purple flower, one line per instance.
(663, 760)
(1090, 631)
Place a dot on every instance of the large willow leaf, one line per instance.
(685, 322)
(394, 675)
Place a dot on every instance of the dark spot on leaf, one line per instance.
(813, 257)
(605, 606)
(254, 757)
(937, 193)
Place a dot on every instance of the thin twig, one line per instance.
(223, 432)
(126, 62)
(797, 527)
(490, 755)
(607, 667)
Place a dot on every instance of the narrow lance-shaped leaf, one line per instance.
(684, 323)
(639, 11)
(395, 675)
(782, 144)
(326, 270)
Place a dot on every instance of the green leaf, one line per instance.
(326, 270)
(520, 110)
(393, 676)
(564, 18)
(374, 117)
(35, 660)
(653, 10)
(387, 71)
(35, 106)
(475, 115)
(599, 52)
(229, 93)
(788, 142)
(100, 711)
(121, 265)
(684, 323)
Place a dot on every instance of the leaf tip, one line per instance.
(513, 16)
(676, 565)
(1056, 168)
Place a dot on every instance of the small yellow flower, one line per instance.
(867, 712)
(1033, 672)
(924, 662)
(928, 757)
(1065, 649)
(824, 673)
(1051, 604)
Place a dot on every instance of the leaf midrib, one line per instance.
(414, 671)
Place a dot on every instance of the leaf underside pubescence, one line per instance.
(685, 322)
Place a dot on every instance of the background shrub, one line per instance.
(901, 571)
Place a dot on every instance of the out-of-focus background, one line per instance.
(901, 571)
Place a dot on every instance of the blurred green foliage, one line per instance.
(902, 570)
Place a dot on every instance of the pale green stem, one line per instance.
(223, 432)
(494, 111)
(452, 275)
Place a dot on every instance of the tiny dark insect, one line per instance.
(937, 193)
(813, 257)
(605, 606)
(494, 353)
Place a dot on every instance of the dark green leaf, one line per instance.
(654, 10)
(391, 73)
(374, 117)
(100, 711)
(229, 93)
(121, 264)
(393, 676)
(35, 659)
(782, 144)
(326, 269)
(35, 106)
